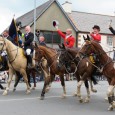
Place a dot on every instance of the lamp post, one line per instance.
(34, 18)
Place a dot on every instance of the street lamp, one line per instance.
(34, 19)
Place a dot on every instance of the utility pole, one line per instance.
(34, 19)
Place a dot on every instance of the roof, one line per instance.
(85, 21)
(28, 18)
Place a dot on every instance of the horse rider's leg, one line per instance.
(63, 85)
(23, 72)
(11, 72)
(110, 94)
(91, 85)
(88, 91)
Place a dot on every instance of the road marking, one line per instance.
(23, 99)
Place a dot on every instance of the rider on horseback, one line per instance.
(29, 37)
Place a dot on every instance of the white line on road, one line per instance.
(23, 99)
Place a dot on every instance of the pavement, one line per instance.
(19, 103)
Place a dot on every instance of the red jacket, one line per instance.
(96, 37)
(68, 42)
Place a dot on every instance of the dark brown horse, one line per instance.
(83, 64)
(107, 64)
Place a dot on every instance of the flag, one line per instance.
(13, 31)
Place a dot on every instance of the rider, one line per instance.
(42, 41)
(95, 34)
(29, 37)
(96, 37)
(69, 40)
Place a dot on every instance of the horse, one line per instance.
(52, 57)
(107, 68)
(16, 62)
(70, 55)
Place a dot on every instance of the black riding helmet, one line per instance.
(96, 27)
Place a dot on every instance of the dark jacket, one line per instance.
(28, 40)
(42, 43)
(112, 30)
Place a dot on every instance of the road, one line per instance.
(19, 103)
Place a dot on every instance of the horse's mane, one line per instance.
(48, 49)
(98, 46)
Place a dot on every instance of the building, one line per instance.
(80, 22)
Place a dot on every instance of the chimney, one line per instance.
(67, 6)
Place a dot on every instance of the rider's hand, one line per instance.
(56, 27)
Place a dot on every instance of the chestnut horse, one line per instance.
(70, 55)
(107, 64)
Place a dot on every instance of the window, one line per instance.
(109, 40)
(52, 37)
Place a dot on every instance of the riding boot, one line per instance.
(29, 59)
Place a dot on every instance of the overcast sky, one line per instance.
(18, 7)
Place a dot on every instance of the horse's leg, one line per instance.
(9, 81)
(88, 91)
(23, 72)
(34, 79)
(110, 93)
(17, 79)
(46, 83)
(46, 80)
(91, 85)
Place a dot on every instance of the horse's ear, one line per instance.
(60, 46)
(36, 45)
(88, 38)
(84, 37)
(63, 46)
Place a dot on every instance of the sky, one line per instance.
(9, 8)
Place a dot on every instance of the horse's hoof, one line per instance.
(110, 108)
(42, 98)
(106, 98)
(47, 89)
(14, 90)
(5, 92)
(63, 96)
(33, 88)
(86, 100)
(28, 92)
(94, 90)
(81, 100)
(75, 94)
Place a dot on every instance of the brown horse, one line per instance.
(69, 56)
(107, 69)
(51, 55)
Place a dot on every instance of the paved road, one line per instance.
(18, 103)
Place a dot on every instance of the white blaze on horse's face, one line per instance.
(87, 64)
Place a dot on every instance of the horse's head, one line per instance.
(38, 53)
(64, 56)
(88, 48)
(2, 44)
